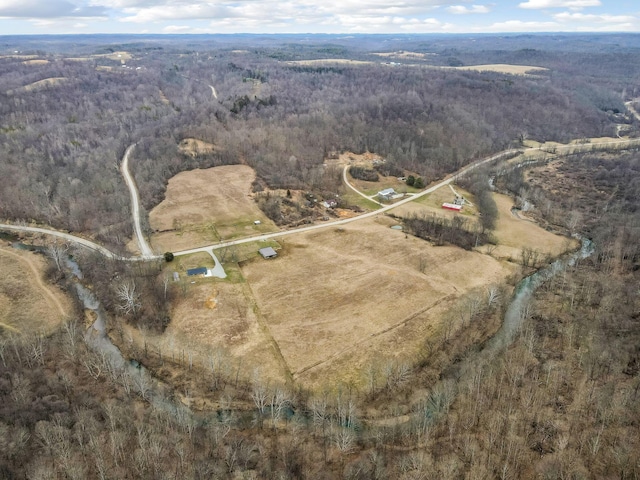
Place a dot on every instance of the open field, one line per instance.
(502, 68)
(36, 62)
(352, 198)
(27, 302)
(333, 292)
(121, 56)
(329, 61)
(204, 206)
(39, 85)
(372, 188)
(514, 234)
(217, 322)
(403, 55)
(432, 204)
(20, 57)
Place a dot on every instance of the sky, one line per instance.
(317, 16)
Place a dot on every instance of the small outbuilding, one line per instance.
(268, 252)
(452, 206)
(193, 272)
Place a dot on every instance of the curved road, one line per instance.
(209, 248)
(145, 249)
(344, 221)
(346, 182)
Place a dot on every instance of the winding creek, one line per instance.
(160, 395)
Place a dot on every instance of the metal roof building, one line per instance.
(197, 271)
(268, 252)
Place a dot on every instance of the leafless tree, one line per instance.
(128, 296)
(344, 439)
(58, 253)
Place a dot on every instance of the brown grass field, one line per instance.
(502, 68)
(330, 61)
(345, 292)
(432, 204)
(27, 302)
(39, 85)
(514, 234)
(203, 206)
(334, 301)
(403, 55)
(36, 62)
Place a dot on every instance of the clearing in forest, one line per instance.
(515, 232)
(329, 61)
(360, 293)
(202, 207)
(39, 85)
(193, 146)
(403, 55)
(27, 303)
(36, 62)
(217, 320)
(503, 68)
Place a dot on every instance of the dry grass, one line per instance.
(193, 146)
(36, 62)
(217, 320)
(117, 56)
(39, 85)
(203, 206)
(27, 303)
(432, 204)
(514, 234)
(330, 61)
(346, 292)
(502, 68)
(20, 57)
(404, 55)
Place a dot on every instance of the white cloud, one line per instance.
(141, 11)
(462, 10)
(520, 26)
(177, 29)
(599, 23)
(47, 9)
(573, 4)
(581, 17)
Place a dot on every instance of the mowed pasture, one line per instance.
(216, 318)
(27, 303)
(517, 232)
(202, 207)
(344, 292)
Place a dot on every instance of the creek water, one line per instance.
(96, 338)
(159, 394)
(515, 313)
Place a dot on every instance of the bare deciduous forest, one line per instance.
(562, 400)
